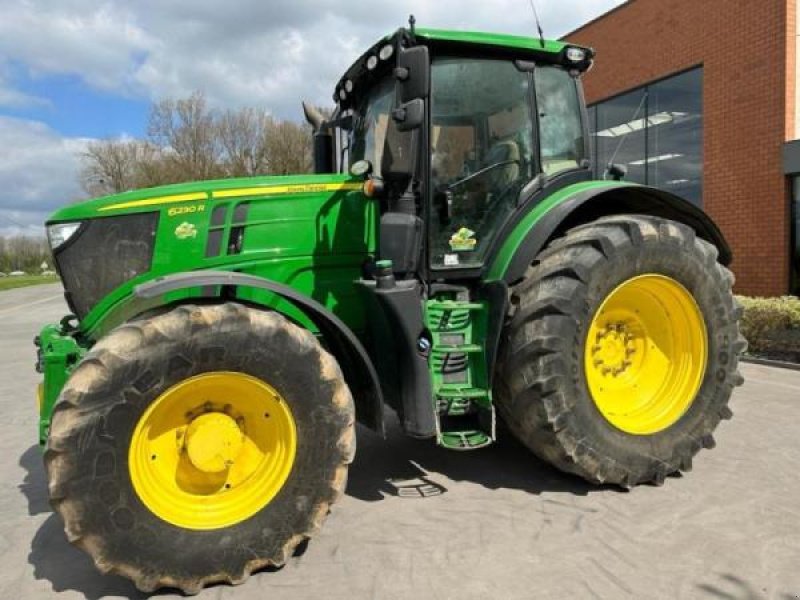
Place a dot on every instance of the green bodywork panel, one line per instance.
(58, 354)
(500, 40)
(504, 256)
(311, 232)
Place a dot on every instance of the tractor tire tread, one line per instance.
(534, 361)
(76, 426)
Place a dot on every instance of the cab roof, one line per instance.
(497, 40)
(468, 42)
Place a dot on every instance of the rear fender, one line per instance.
(619, 198)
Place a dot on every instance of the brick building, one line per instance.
(700, 97)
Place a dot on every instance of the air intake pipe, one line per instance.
(322, 140)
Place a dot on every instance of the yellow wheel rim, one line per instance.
(646, 354)
(212, 450)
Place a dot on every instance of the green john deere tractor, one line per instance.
(450, 258)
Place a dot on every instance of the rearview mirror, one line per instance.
(409, 115)
(413, 73)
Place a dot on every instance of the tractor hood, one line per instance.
(296, 230)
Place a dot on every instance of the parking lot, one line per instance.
(495, 523)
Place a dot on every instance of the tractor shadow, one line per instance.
(34, 485)
(733, 587)
(405, 467)
(53, 558)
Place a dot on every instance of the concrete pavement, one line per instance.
(500, 523)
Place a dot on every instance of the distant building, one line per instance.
(701, 98)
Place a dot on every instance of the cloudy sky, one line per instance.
(76, 70)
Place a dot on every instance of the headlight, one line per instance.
(348, 86)
(59, 233)
(576, 55)
(342, 95)
(372, 62)
(386, 52)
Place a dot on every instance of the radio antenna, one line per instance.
(538, 22)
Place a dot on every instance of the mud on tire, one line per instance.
(87, 452)
(542, 391)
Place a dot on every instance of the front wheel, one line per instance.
(621, 355)
(199, 445)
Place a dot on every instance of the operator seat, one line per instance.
(502, 177)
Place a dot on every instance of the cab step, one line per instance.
(465, 418)
(464, 440)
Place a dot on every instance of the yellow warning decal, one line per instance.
(271, 190)
(159, 200)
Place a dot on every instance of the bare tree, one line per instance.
(110, 166)
(23, 253)
(243, 137)
(189, 141)
(289, 148)
(186, 131)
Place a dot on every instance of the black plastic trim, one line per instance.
(396, 324)
(359, 372)
(495, 293)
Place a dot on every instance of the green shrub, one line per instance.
(772, 326)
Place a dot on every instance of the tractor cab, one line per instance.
(456, 131)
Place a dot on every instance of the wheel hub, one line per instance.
(614, 349)
(213, 441)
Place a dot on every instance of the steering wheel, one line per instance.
(480, 173)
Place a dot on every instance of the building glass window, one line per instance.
(621, 136)
(675, 135)
(656, 132)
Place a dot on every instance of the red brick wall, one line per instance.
(747, 51)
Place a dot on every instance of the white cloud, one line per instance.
(38, 170)
(246, 52)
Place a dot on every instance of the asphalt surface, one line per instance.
(500, 525)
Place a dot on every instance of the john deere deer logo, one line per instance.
(185, 231)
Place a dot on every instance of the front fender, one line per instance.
(357, 368)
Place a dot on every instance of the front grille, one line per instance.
(104, 254)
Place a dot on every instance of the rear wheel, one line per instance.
(199, 445)
(621, 354)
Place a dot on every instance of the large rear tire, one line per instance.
(621, 352)
(199, 445)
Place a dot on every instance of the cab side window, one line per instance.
(560, 127)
